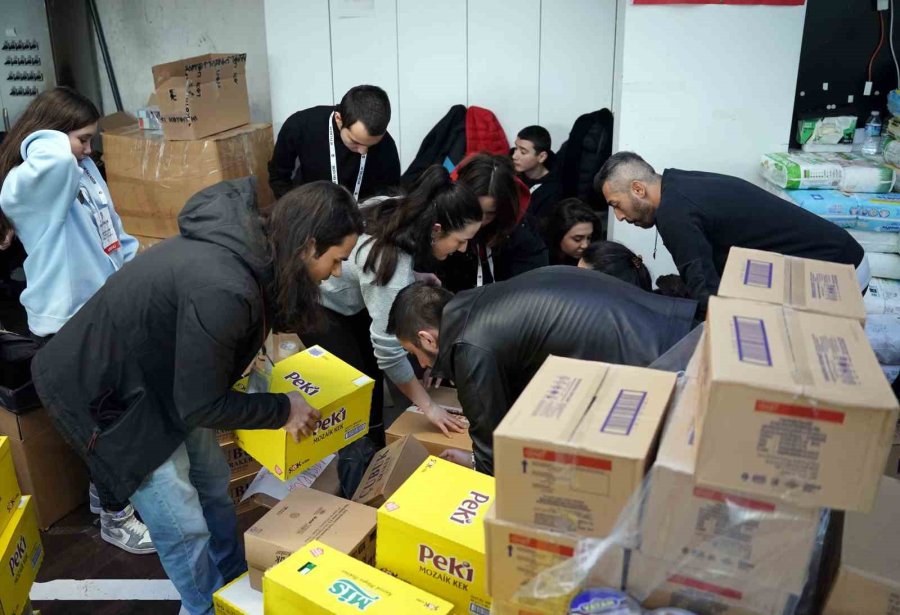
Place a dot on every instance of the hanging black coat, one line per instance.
(588, 147)
(154, 353)
(446, 140)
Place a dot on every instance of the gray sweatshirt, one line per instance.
(356, 290)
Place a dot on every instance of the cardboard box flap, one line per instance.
(626, 412)
(455, 498)
(306, 515)
(389, 468)
(553, 404)
(313, 374)
(179, 70)
(871, 542)
(754, 274)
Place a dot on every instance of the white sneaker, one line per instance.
(94, 500)
(124, 530)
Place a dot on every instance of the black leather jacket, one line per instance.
(493, 339)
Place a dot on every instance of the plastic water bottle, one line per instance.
(872, 144)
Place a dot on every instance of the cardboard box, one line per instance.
(321, 580)
(767, 541)
(577, 443)
(800, 283)
(202, 95)
(238, 598)
(868, 581)
(341, 393)
(431, 533)
(657, 583)
(239, 461)
(303, 516)
(892, 468)
(224, 436)
(46, 466)
(150, 179)
(237, 486)
(417, 425)
(797, 407)
(389, 468)
(22, 554)
(9, 485)
(518, 553)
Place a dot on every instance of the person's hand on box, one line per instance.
(443, 420)
(458, 457)
(303, 417)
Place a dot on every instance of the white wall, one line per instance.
(705, 88)
(143, 33)
(529, 61)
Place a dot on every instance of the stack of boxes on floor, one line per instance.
(21, 552)
(206, 137)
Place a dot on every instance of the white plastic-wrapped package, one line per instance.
(883, 297)
(885, 265)
(815, 171)
(884, 243)
(883, 331)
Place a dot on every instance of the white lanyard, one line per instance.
(109, 239)
(334, 175)
(533, 188)
(479, 280)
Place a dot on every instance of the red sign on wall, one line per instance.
(746, 2)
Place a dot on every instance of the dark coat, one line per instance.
(588, 147)
(548, 191)
(154, 353)
(493, 339)
(446, 140)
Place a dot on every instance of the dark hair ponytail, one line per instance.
(618, 261)
(404, 224)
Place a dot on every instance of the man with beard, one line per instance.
(700, 216)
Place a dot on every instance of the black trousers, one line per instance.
(347, 337)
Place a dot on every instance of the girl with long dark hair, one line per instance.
(569, 230)
(141, 377)
(508, 242)
(437, 218)
(55, 200)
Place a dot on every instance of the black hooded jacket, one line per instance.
(154, 353)
(493, 339)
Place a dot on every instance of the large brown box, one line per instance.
(303, 516)
(202, 95)
(795, 407)
(389, 468)
(46, 466)
(150, 179)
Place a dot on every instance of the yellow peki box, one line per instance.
(22, 554)
(238, 598)
(9, 486)
(319, 580)
(431, 533)
(341, 393)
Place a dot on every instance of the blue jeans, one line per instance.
(186, 506)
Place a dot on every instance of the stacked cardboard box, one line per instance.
(388, 470)
(206, 137)
(568, 456)
(46, 466)
(431, 533)
(783, 411)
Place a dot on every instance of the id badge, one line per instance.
(108, 237)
